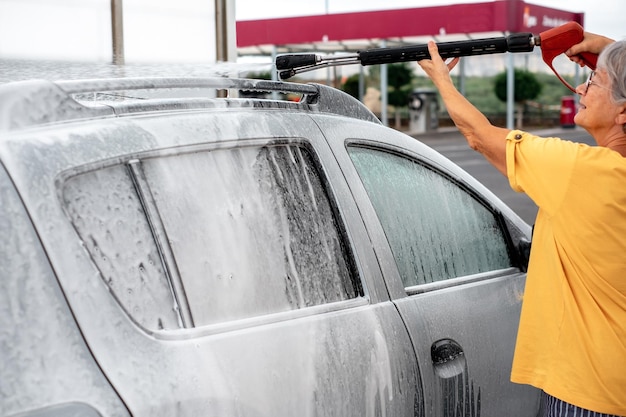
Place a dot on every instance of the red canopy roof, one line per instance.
(496, 16)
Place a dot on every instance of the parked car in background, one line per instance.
(168, 249)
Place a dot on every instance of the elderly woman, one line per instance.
(571, 340)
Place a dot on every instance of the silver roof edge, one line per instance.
(37, 102)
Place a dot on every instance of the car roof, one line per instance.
(35, 102)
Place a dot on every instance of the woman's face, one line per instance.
(597, 110)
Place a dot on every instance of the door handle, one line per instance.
(448, 358)
(445, 350)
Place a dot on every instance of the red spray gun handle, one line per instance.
(557, 40)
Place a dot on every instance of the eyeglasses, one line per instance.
(590, 81)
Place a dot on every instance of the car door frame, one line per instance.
(425, 327)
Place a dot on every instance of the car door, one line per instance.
(449, 252)
(216, 264)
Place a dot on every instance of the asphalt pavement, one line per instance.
(449, 142)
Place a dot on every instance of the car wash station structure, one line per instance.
(353, 32)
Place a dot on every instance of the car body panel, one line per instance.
(351, 358)
(44, 358)
(365, 356)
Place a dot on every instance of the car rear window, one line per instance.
(201, 238)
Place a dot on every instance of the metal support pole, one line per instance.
(117, 31)
(274, 71)
(462, 76)
(361, 83)
(221, 31)
(383, 90)
(510, 92)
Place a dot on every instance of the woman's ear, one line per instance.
(621, 117)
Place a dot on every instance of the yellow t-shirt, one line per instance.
(572, 336)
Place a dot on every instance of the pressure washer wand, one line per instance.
(553, 42)
(517, 42)
(292, 64)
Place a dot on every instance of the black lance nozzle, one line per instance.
(518, 42)
(290, 64)
(286, 62)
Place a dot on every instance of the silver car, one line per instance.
(168, 249)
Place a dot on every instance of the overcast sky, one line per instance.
(183, 30)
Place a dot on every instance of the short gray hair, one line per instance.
(613, 61)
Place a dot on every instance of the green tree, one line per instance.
(527, 87)
(400, 83)
(351, 85)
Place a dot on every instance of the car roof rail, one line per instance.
(36, 102)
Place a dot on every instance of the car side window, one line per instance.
(234, 234)
(436, 229)
(108, 215)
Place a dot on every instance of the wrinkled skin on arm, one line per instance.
(481, 135)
